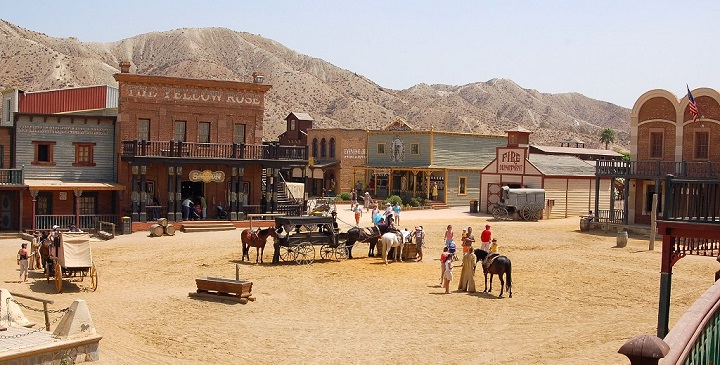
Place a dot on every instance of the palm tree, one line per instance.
(607, 137)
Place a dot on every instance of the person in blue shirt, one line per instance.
(396, 210)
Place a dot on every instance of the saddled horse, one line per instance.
(500, 265)
(357, 234)
(396, 240)
(256, 239)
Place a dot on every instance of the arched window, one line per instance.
(323, 148)
(332, 147)
(314, 147)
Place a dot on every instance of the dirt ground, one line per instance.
(576, 299)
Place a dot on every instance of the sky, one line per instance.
(610, 50)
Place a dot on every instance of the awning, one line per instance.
(33, 184)
(324, 164)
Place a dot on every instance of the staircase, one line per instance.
(207, 226)
(437, 204)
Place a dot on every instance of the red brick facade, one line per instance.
(349, 150)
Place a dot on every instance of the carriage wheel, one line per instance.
(526, 213)
(305, 254)
(500, 213)
(286, 253)
(535, 212)
(341, 252)
(326, 252)
(93, 277)
(495, 210)
(58, 277)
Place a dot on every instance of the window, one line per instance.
(332, 147)
(656, 145)
(239, 133)
(43, 153)
(43, 203)
(315, 148)
(649, 192)
(702, 148)
(414, 148)
(292, 125)
(323, 148)
(88, 204)
(84, 154)
(7, 111)
(462, 184)
(204, 132)
(143, 129)
(381, 148)
(179, 131)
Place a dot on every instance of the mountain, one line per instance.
(333, 96)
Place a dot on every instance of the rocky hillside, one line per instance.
(333, 96)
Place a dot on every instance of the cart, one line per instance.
(297, 243)
(321, 207)
(527, 203)
(73, 260)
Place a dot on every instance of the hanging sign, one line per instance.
(511, 161)
(207, 176)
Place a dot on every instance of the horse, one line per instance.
(500, 265)
(256, 239)
(394, 239)
(357, 234)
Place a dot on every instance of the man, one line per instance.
(203, 206)
(186, 204)
(468, 241)
(353, 199)
(485, 238)
(419, 241)
(358, 186)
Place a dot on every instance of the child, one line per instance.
(494, 246)
(358, 214)
(448, 236)
(443, 258)
(448, 275)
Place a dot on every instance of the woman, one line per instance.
(448, 275)
(23, 261)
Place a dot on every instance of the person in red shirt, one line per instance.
(485, 238)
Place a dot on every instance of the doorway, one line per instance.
(192, 189)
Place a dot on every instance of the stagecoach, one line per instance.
(299, 236)
(73, 260)
(527, 203)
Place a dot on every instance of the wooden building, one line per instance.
(569, 182)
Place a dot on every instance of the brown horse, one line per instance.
(499, 266)
(357, 234)
(256, 239)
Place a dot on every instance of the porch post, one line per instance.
(597, 195)
(78, 194)
(33, 224)
(268, 192)
(178, 193)
(171, 194)
(233, 196)
(626, 205)
(135, 194)
(274, 195)
(240, 193)
(143, 193)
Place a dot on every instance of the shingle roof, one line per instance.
(577, 151)
(558, 165)
(302, 116)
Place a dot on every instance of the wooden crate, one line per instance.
(409, 251)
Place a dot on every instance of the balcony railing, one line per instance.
(657, 169)
(88, 222)
(693, 201)
(11, 177)
(213, 150)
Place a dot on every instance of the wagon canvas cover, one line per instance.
(75, 250)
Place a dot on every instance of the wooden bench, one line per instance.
(219, 288)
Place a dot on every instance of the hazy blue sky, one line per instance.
(605, 49)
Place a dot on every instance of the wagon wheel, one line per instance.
(93, 277)
(535, 212)
(341, 252)
(58, 277)
(326, 252)
(500, 213)
(286, 253)
(304, 253)
(526, 212)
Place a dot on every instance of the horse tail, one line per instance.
(508, 276)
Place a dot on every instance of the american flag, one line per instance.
(692, 105)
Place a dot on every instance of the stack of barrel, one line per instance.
(162, 227)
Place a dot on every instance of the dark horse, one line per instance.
(357, 234)
(500, 265)
(256, 239)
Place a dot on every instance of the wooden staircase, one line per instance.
(207, 226)
(437, 204)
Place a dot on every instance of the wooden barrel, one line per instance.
(622, 239)
(156, 230)
(162, 221)
(170, 230)
(584, 224)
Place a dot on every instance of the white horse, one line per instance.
(394, 239)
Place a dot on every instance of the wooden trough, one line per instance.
(219, 288)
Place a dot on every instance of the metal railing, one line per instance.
(272, 151)
(657, 168)
(88, 222)
(11, 177)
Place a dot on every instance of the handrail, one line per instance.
(287, 191)
(45, 302)
(658, 168)
(170, 149)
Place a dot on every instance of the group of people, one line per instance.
(194, 210)
(43, 248)
(488, 244)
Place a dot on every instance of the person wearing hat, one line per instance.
(419, 241)
(485, 238)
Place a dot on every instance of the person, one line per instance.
(467, 274)
(493, 246)
(186, 208)
(367, 202)
(448, 236)
(156, 208)
(353, 199)
(396, 212)
(23, 261)
(491, 255)
(419, 241)
(388, 209)
(35, 262)
(203, 206)
(468, 241)
(382, 225)
(434, 191)
(443, 257)
(448, 275)
(375, 216)
(358, 186)
(590, 216)
(485, 238)
(358, 214)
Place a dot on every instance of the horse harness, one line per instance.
(489, 260)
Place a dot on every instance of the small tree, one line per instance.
(607, 137)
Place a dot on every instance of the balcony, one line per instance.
(192, 150)
(657, 169)
(11, 177)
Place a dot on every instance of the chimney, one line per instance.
(258, 77)
(125, 67)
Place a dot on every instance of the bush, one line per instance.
(343, 196)
(393, 200)
(414, 202)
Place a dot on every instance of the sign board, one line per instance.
(511, 161)
(206, 176)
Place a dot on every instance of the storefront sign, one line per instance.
(356, 153)
(61, 129)
(207, 176)
(511, 161)
(192, 94)
(382, 172)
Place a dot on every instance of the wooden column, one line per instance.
(134, 194)
(78, 194)
(143, 193)
(233, 196)
(33, 194)
(178, 193)
(171, 194)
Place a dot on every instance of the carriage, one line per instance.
(320, 207)
(527, 203)
(73, 260)
(300, 235)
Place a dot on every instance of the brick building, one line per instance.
(189, 138)
(335, 151)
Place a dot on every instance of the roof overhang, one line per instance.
(71, 185)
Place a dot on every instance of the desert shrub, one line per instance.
(343, 196)
(414, 202)
(394, 199)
